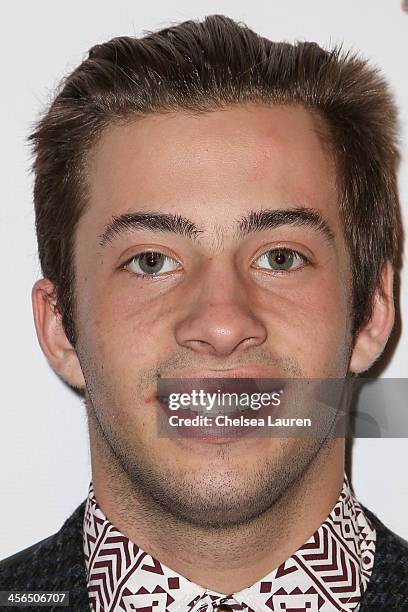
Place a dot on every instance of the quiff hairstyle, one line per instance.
(204, 66)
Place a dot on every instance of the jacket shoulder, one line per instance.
(388, 585)
(24, 555)
(55, 563)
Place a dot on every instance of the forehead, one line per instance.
(212, 166)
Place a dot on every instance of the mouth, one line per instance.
(216, 410)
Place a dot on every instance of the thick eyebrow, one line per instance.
(257, 221)
(254, 221)
(155, 222)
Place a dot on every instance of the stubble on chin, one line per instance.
(220, 495)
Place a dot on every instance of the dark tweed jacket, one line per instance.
(57, 563)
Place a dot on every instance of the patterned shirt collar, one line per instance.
(329, 572)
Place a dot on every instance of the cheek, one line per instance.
(123, 331)
(120, 345)
(310, 324)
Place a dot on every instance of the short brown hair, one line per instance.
(202, 66)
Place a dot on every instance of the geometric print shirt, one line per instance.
(329, 572)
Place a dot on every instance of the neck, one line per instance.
(233, 558)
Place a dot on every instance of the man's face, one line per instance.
(223, 302)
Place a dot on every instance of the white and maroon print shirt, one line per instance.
(329, 572)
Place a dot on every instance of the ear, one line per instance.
(373, 336)
(51, 335)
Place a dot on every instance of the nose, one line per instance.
(220, 320)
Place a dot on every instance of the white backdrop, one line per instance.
(44, 457)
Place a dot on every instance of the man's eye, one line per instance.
(281, 260)
(151, 263)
